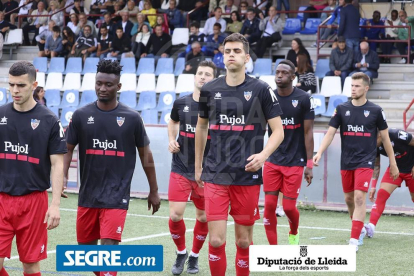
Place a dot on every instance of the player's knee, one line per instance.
(349, 200)
(243, 242)
(359, 200)
(175, 216)
(201, 217)
(216, 241)
(31, 268)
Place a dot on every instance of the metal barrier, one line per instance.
(407, 124)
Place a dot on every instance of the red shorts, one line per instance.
(244, 202)
(181, 187)
(358, 179)
(407, 177)
(288, 180)
(23, 216)
(99, 223)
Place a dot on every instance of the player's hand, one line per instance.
(154, 201)
(256, 162)
(173, 146)
(52, 217)
(372, 195)
(198, 172)
(316, 159)
(308, 176)
(394, 172)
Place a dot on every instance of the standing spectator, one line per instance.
(160, 43)
(82, 23)
(161, 21)
(214, 4)
(166, 4)
(341, 59)
(208, 26)
(214, 40)
(73, 24)
(57, 17)
(243, 10)
(120, 44)
(138, 26)
(148, 9)
(314, 5)
(250, 29)
(285, 4)
(41, 38)
(366, 61)
(85, 44)
(78, 9)
(374, 33)
(9, 6)
(193, 58)
(271, 27)
(219, 61)
(125, 24)
(22, 11)
(228, 8)
(68, 40)
(5, 26)
(297, 48)
(53, 45)
(349, 26)
(235, 24)
(39, 96)
(305, 74)
(334, 20)
(403, 34)
(139, 46)
(390, 34)
(174, 16)
(104, 42)
(132, 10)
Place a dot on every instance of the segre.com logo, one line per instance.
(109, 258)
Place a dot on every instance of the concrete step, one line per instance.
(393, 85)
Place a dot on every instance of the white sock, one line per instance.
(372, 226)
(353, 241)
(182, 252)
(193, 254)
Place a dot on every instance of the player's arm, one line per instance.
(309, 144)
(173, 128)
(52, 217)
(147, 161)
(200, 145)
(327, 140)
(256, 161)
(67, 159)
(375, 177)
(386, 143)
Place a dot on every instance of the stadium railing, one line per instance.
(407, 124)
(16, 9)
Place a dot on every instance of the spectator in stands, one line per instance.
(390, 34)
(195, 34)
(125, 24)
(25, 6)
(214, 40)
(305, 74)
(243, 10)
(120, 44)
(271, 28)
(6, 26)
(324, 33)
(138, 25)
(35, 3)
(235, 24)
(215, 4)
(285, 4)
(228, 8)
(39, 95)
(174, 16)
(197, 15)
(34, 23)
(403, 34)
(297, 48)
(68, 3)
(161, 21)
(366, 61)
(208, 27)
(9, 6)
(109, 23)
(82, 23)
(68, 40)
(340, 63)
(85, 44)
(260, 5)
(165, 5)
(148, 9)
(349, 26)
(104, 42)
(54, 15)
(53, 45)
(99, 7)
(139, 46)
(314, 5)
(41, 38)
(374, 33)
(73, 24)
(132, 10)
(250, 28)
(219, 61)
(78, 9)
(193, 58)
(160, 43)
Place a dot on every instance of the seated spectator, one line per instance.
(213, 41)
(35, 3)
(68, 40)
(104, 42)
(160, 43)
(78, 9)
(24, 10)
(250, 28)
(243, 10)
(161, 21)
(140, 22)
(53, 45)
(41, 38)
(324, 33)
(9, 6)
(390, 34)
(219, 61)
(73, 24)
(271, 27)
(297, 48)
(208, 27)
(235, 24)
(85, 44)
(82, 23)
(340, 63)
(139, 46)
(120, 44)
(57, 17)
(403, 34)
(195, 34)
(5, 26)
(305, 74)
(110, 24)
(366, 61)
(99, 7)
(374, 33)
(174, 16)
(148, 9)
(132, 10)
(228, 8)
(68, 5)
(215, 4)
(193, 58)
(125, 24)
(39, 95)
(166, 4)
(314, 5)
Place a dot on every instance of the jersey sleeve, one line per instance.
(336, 118)
(401, 136)
(309, 108)
(72, 130)
(174, 112)
(203, 105)
(141, 138)
(270, 104)
(381, 120)
(57, 141)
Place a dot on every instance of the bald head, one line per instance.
(364, 46)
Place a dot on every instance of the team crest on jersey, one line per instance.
(217, 96)
(120, 120)
(247, 95)
(366, 113)
(186, 109)
(3, 121)
(295, 103)
(348, 113)
(34, 123)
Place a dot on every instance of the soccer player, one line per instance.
(31, 155)
(403, 145)
(236, 109)
(360, 121)
(184, 115)
(284, 169)
(108, 134)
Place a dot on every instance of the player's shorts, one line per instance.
(407, 177)
(181, 187)
(99, 223)
(287, 180)
(23, 217)
(358, 179)
(244, 202)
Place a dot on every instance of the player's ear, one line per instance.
(34, 84)
(247, 59)
(119, 86)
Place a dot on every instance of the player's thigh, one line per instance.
(111, 223)
(7, 205)
(359, 198)
(292, 181)
(31, 268)
(392, 184)
(217, 231)
(179, 188)
(87, 225)
(177, 210)
(244, 202)
(217, 201)
(243, 235)
(272, 177)
(390, 188)
(347, 178)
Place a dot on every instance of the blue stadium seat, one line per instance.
(3, 95)
(319, 104)
(54, 109)
(322, 67)
(263, 66)
(276, 64)
(128, 98)
(52, 97)
(111, 58)
(74, 65)
(70, 99)
(179, 66)
(147, 100)
(57, 65)
(149, 116)
(166, 101)
(146, 66)
(66, 115)
(311, 26)
(165, 117)
(40, 63)
(90, 65)
(164, 66)
(88, 96)
(128, 65)
(293, 25)
(334, 101)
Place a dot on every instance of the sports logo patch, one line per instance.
(34, 123)
(120, 120)
(402, 135)
(247, 95)
(295, 103)
(347, 113)
(366, 113)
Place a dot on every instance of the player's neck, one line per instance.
(286, 91)
(107, 106)
(235, 78)
(359, 102)
(29, 105)
(196, 95)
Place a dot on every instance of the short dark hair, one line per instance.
(288, 63)
(87, 26)
(251, 9)
(217, 8)
(104, 26)
(208, 63)
(56, 29)
(362, 76)
(195, 24)
(158, 25)
(237, 37)
(348, 1)
(237, 15)
(109, 67)
(120, 28)
(217, 25)
(22, 68)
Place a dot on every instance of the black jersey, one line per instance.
(237, 120)
(404, 153)
(185, 111)
(297, 107)
(27, 139)
(107, 151)
(359, 128)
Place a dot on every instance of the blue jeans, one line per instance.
(369, 73)
(285, 4)
(353, 43)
